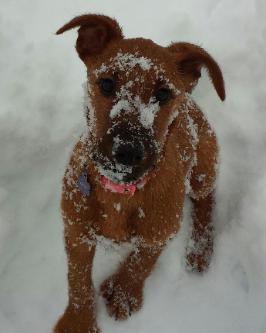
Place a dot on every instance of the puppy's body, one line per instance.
(153, 214)
(176, 153)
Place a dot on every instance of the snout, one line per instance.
(129, 154)
(126, 154)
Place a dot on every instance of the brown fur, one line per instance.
(162, 198)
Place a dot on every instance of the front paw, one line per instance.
(75, 321)
(122, 297)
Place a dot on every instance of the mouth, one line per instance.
(121, 174)
(124, 161)
(123, 188)
(116, 173)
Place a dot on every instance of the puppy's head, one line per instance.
(135, 89)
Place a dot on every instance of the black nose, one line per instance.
(129, 154)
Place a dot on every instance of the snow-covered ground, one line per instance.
(41, 117)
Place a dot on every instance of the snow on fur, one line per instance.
(40, 122)
(125, 62)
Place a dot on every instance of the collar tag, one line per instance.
(83, 184)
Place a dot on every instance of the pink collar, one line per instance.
(122, 188)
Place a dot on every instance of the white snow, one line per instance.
(121, 105)
(117, 175)
(117, 206)
(88, 108)
(141, 213)
(148, 113)
(125, 62)
(40, 119)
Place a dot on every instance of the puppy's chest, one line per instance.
(118, 217)
(150, 210)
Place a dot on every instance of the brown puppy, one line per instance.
(147, 145)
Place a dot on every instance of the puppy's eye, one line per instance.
(107, 86)
(163, 95)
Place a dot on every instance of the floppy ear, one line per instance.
(190, 59)
(94, 34)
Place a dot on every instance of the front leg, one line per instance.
(79, 316)
(123, 291)
(200, 247)
(203, 179)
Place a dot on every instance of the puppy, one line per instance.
(147, 145)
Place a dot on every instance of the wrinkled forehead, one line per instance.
(138, 61)
(129, 63)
